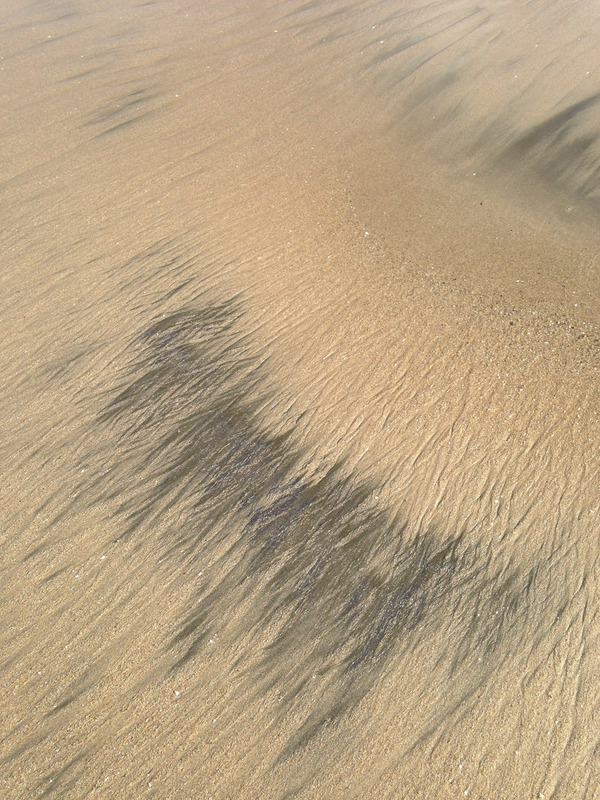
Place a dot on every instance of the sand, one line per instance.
(299, 400)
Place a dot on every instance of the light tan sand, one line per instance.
(299, 400)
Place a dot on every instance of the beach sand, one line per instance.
(299, 400)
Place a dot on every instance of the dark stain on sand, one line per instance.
(315, 584)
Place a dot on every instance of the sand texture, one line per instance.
(299, 400)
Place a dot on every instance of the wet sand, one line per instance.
(299, 400)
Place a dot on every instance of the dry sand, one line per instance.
(299, 400)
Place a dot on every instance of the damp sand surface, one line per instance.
(299, 400)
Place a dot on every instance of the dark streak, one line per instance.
(317, 587)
